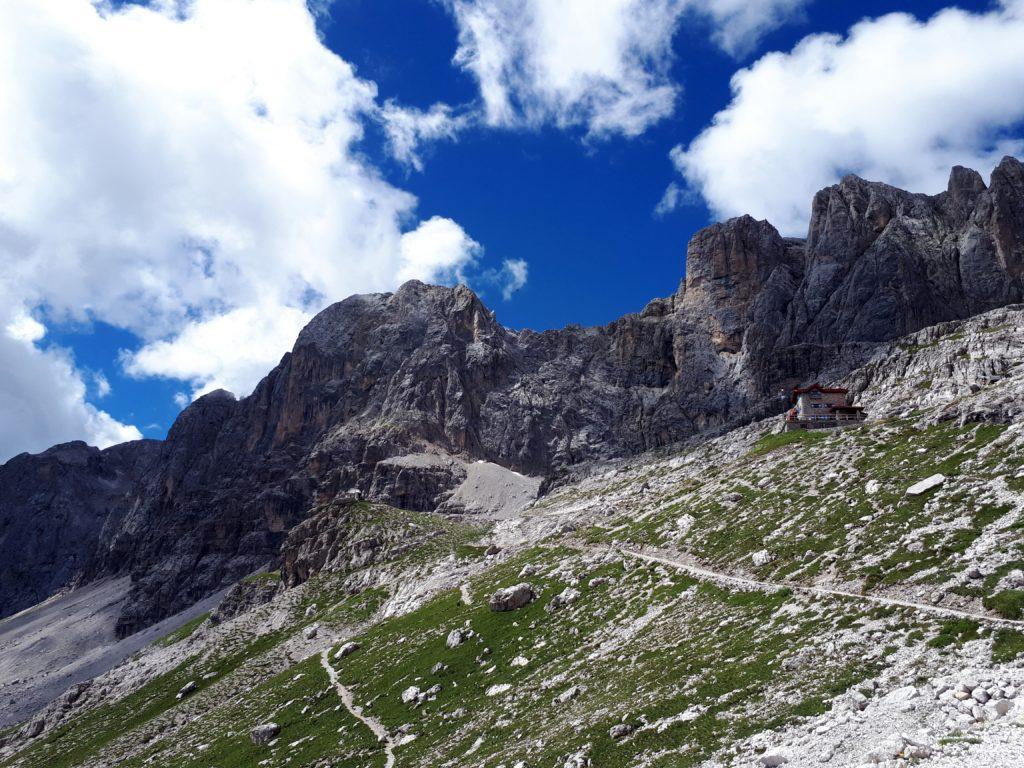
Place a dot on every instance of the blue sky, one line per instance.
(544, 186)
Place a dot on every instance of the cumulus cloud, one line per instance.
(437, 251)
(189, 170)
(232, 350)
(897, 100)
(43, 398)
(600, 64)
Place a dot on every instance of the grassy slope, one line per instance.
(806, 500)
(648, 645)
(239, 661)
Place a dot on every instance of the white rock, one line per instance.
(495, 690)
(620, 730)
(762, 557)
(773, 759)
(902, 694)
(568, 694)
(410, 694)
(926, 485)
(346, 650)
(685, 522)
(455, 638)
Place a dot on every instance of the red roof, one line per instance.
(818, 388)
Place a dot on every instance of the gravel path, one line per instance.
(372, 723)
(674, 560)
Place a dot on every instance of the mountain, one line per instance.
(400, 395)
(758, 598)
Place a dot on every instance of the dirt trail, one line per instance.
(675, 561)
(372, 723)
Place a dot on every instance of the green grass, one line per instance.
(1009, 603)
(185, 630)
(300, 701)
(955, 632)
(1007, 645)
(469, 551)
(772, 442)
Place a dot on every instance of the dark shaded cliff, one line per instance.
(430, 369)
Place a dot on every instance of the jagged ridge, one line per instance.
(430, 369)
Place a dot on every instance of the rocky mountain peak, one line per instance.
(965, 184)
(376, 382)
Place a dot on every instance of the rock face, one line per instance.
(244, 596)
(377, 379)
(53, 508)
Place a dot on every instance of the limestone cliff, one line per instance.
(429, 370)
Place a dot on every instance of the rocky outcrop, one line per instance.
(428, 371)
(882, 262)
(54, 508)
(344, 537)
(244, 596)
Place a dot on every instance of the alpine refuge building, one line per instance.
(818, 407)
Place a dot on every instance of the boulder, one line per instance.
(264, 734)
(346, 650)
(773, 759)
(455, 638)
(411, 694)
(934, 481)
(565, 598)
(512, 598)
(620, 730)
(568, 694)
(188, 688)
(311, 632)
(762, 557)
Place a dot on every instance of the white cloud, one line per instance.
(408, 128)
(672, 198)
(601, 64)
(25, 328)
(897, 100)
(510, 278)
(437, 251)
(739, 24)
(43, 395)
(101, 384)
(188, 170)
(232, 350)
